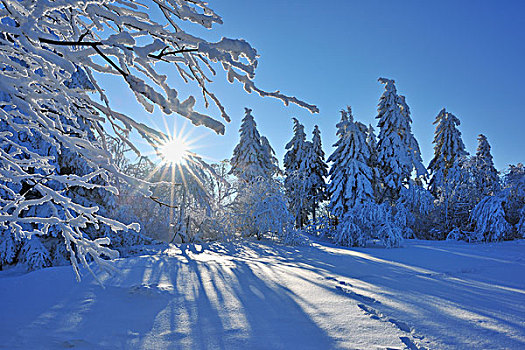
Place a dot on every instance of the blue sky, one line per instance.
(463, 55)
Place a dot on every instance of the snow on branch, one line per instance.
(51, 104)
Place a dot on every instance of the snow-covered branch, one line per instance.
(52, 107)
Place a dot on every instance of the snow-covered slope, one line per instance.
(439, 295)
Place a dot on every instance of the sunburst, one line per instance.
(174, 151)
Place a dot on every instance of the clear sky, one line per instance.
(467, 56)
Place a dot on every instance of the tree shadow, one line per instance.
(460, 296)
(170, 301)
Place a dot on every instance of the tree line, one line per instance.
(377, 187)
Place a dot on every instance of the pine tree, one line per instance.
(350, 175)
(250, 159)
(397, 150)
(487, 179)
(317, 172)
(295, 162)
(448, 149)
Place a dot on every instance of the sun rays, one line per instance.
(176, 171)
(175, 151)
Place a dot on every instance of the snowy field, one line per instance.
(436, 295)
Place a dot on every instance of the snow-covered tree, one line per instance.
(337, 182)
(414, 211)
(456, 197)
(371, 141)
(250, 158)
(514, 192)
(9, 247)
(489, 220)
(350, 175)
(295, 170)
(500, 216)
(369, 221)
(296, 149)
(448, 149)
(316, 173)
(398, 152)
(487, 178)
(46, 46)
(261, 210)
(36, 256)
(351, 191)
(269, 154)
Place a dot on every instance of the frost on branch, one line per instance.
(51, 53)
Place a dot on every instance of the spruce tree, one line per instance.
(350, 175)
(316, 172)
(270, 158)
(351, 191)
(295, 162)
(448, 149)
(371, 141)
(397, 150)
(487, 179)
(249, 160)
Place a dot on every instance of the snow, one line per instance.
(432, 294)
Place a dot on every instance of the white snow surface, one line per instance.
(434, 295)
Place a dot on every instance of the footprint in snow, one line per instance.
(330, 278)
(357, 296)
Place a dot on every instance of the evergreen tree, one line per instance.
(250, 160)
(351, 190)
(34, 254)
(9, 247)
(316, 172)
(514, 191)
(371, 141)
(269, 154)
(487, 179)
(448, 149)
(397, 150)
(64, 162)
(489, 220)
(413, 146)
(350, 175)
(295, 163)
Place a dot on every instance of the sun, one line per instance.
(174, 151)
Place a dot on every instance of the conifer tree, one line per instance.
(487, 179)
(371, 141)
(413, 145)
(250, 159)
(397, 149)
(296, 148)
(269, 156)
(448, 149)
(351, 190)
(316, 172)
(295, 162)
(350, 174)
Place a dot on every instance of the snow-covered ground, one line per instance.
(438, 295)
